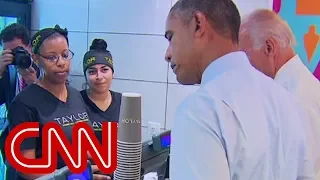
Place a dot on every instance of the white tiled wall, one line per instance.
(134, 32)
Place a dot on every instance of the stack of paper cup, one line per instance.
(129, 138)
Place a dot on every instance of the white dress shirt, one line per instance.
(18, 89)
(239, 125)
(297, 79)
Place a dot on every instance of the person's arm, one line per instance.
(2, 91)
(19, 113)
(4, 82)
(307, 164)
(197, 151)
(308, 155)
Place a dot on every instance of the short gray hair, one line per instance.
(263, 24)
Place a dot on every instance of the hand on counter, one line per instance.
(95, 169)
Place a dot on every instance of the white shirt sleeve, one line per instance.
(197, 151)
(309, 155)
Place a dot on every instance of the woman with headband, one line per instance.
(103, 104)
(49, 99)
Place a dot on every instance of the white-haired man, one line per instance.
(269, 43)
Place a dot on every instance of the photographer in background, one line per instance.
(13, 79)
(11, 37)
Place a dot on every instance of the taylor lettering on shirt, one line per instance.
(70, 120)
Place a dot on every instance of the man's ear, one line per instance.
(35, 59)
(270, 47)
(199, 23)
(29, 48)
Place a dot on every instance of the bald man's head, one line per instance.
(266, 38)
(264, 23)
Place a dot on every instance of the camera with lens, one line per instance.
(21, 58)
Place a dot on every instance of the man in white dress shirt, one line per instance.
(269, 43)
(240, 124)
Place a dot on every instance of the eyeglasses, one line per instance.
(68, 55)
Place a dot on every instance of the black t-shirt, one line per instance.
(97, 116)
(35, 104)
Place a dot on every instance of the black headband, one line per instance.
(43, 34)
(94, 57)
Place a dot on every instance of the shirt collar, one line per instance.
(224, 64)
(289, 70)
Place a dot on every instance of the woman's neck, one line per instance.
(58, 90)
(102, 100)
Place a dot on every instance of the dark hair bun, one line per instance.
(99, 44)
(60, 30)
